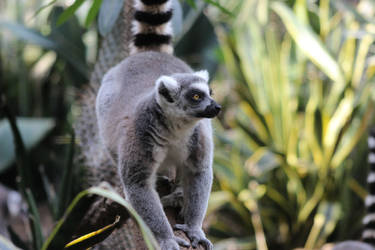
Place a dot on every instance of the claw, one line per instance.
(181, 242)
(196, 236)
(207, 244)
(194, 243)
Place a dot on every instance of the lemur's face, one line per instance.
(187, 95)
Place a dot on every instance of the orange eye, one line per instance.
(196, 97)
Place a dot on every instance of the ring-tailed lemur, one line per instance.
(152, 112)
(368, 234)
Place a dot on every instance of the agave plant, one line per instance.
(304, 75)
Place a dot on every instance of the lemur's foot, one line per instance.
(174, 199)
(182, 242)
(196, 236)
(173, 243)
(168, 244)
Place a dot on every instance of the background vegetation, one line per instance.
(296, 79)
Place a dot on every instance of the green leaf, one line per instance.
(50, 192)
(252, 135)
(93, 12)
(192, 3)
(105, 21)
(65, 191)
(87, 240)
(60, 234)
(63, 40)
(32, 130)
(309, 42)
(68, 38)
(217, 200)
(325, 222)
(350, 139)
(28, 35)
(339, 119)
(219, 6)
(34, 213)
(43, 7)
(69, 12)
(5, 244)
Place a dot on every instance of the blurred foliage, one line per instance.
(32, 131)
(303, 72)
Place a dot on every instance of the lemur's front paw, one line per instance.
(173, 243)
(196, 236)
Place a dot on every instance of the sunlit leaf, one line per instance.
(93, 12)
(217, 200)
(337, 122)
(309, 42)
(79, 242)
(69, 12)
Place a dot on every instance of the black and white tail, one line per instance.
(152, 29)
(368, 234)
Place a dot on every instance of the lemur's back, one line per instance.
(127, 84)
(137, 74)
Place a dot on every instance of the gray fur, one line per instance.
(353, 245)
(148, 123)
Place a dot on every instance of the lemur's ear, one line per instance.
(167, 87)
(203, 74)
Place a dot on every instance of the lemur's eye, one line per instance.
(196, 97)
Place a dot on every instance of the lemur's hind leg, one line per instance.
(174, 199)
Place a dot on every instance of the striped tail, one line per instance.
(368, 234)
(152, 29)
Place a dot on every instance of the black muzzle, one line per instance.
(211, 110)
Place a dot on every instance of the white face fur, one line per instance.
(186, 95)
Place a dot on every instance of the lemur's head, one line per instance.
(187, 95)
